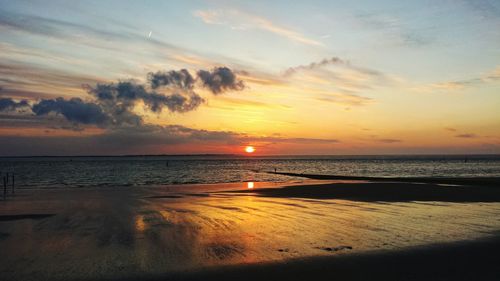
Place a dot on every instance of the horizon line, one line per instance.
(249, 156)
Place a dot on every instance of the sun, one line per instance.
(249, 149)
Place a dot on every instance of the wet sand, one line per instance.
(467, 260)
(342, 230)
(472, 181)
(387, 192)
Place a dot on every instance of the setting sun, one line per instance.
(249, 149)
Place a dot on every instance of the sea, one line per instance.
(123, 171)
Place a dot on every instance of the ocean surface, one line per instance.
(74, 172)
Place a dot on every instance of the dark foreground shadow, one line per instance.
(388, 192)
(24, 217)
(476, 260)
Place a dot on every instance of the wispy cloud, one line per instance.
(388, 140)
(394, 29)
(346, 99)
(457, 85)
(336, 80)
(463, 135)
(467, 136)
(314, 65)
(242, 21)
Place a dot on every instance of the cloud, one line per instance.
(458, 134)
(8, 104)
(242, 21)
(337, 81)
(395, 29)
(290, 140)
(388, 140)
(174, 102)
(118, 101)
(113, 104)
(314, 65)
(331, 61)
(220, 79)
(76, 32)
(484, 79)
(30, 81)
(74, 110)
(346, 99)
(181, 79)
(145, 139)
(467, 136)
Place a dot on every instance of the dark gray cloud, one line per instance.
(113, 103)
(74, 110)
(181, 79)
(174, 102)
(111, 106)
(8, 104)
(120, 98)
(220, 79)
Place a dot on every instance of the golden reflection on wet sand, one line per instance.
(123, 232)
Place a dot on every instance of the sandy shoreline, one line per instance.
(472, 181)
(343, 230)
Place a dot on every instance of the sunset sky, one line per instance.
(287, 77)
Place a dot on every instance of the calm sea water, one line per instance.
(43, 172)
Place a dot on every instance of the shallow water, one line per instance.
(71, 172)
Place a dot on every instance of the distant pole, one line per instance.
(4, 187)
(13, 184)
(7, 178)
(166, 163)
(275, 170)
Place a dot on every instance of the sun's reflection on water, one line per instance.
(140, 225)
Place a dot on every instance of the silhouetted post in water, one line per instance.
(4, 187)
(275, 170)
(166, 164)
(6, 178)
(13, 183)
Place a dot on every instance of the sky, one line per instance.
(287, 77)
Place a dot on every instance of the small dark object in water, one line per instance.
(4, 187)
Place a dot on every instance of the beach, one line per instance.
(249, 140)
(345, 229)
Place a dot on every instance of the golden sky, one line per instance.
(316, 77)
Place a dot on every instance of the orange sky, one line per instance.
(315, 78)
